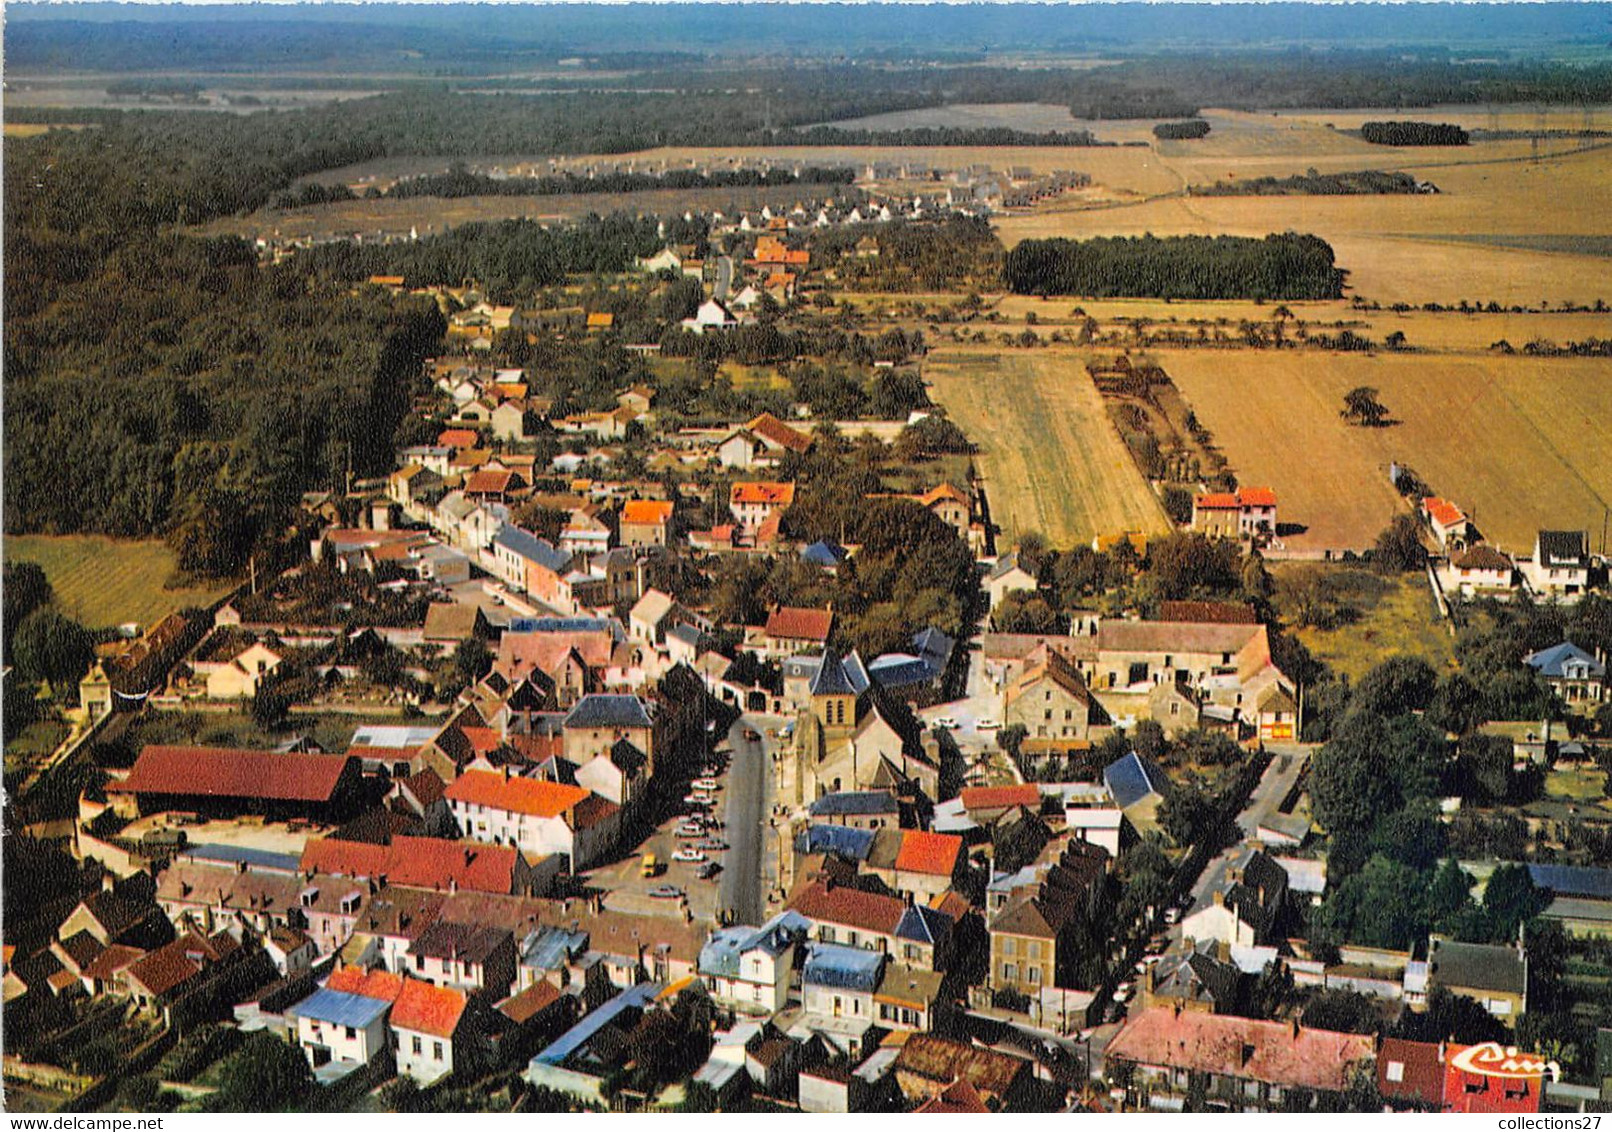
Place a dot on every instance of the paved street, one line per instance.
(1287, 763)
(749, 794)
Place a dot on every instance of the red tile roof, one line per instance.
(1216, 501)
(426, 1009)
(593, 810)
(650, 511)
(958, 1097)
(1256, 497)
(934, 854)
(941, 1059)
(378, 984)
(1269, 1052)
(775, 430)
(458, 438)
(514, 794)
(1442, 511)
(419, 862)
(530, 1002)
(1001, 797)
(224, 772)
(836, 904)
(778, 494)
(487, 482)
(1420, 1076)
(793, 624)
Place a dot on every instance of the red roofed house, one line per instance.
(1450, 524)
(228, 781)
(534, 816)
(914, 863)
(753, 503)
(1491, 1078)
(495, 485)
(1410, 1075)
(791, 630)
(646, 522)
(1255, 1066)
(428, 1027)
(458, 438)
(423, 862)
(987, 803)
(929, 1066)
(1244, 513)
(913, 933)
(760, 442)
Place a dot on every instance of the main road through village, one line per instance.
(749, 777)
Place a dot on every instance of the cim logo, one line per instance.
(1493, 1060)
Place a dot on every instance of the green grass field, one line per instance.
(101, 582)
(1396, 617)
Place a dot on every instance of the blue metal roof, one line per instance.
(1132, 779)
(633, 998)
(1552, 662)
(243, 855)
(899, 670)
(824, 553)
(720, 955)
(1573, 880)
(340, 1008)
(931, 642)
(529, 546)
(841, 840)
(548, 948)
(925, 925)
(608, 709)
(855, 802)
(844, 968)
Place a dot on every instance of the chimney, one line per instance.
(453, 885)
(1220, 898)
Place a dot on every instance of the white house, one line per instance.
(427, 1030)
(750, 969)
(535, 816)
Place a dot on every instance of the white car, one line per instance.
(987, 725)
(945, 723)
(690, 829)
(692, 856)
(707, 784)
(698, 798)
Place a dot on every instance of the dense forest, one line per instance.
(459, 182)
(1413, 133)
(1284, 266)
(1366, 182)
(1181, 131)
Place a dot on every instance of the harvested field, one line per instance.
(102, 582)
(1386, 616)
(1519, 442)
(1051, 459)
(1490, 233)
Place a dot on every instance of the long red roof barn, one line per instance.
(229, 772)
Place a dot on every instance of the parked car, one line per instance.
(707, 784)
(752, 734)
(696, 799)
(986, 724)
(946, 723)
(708, 870)
(690, 829)
(713, 845)
(666, 892)
(690, 856)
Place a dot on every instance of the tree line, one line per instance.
(460, 182)
(1283, 266)
(1366, 182)
(1413, 133)
(1181, 131)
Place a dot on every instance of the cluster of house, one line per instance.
(1467, 567)
(1198, 665)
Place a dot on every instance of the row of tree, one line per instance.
(1414, 133)
(1280, 266)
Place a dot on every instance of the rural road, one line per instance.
(749, 779)
(724, 279)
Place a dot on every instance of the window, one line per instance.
(351, 1033)
(1010, 972)
(1035, 949)
(436, 1051)
(417, 1047)
(1007, 947)
(419, 962)
(1035, 975)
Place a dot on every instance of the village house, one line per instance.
(837, 913)
(474, 958)
(1449, 524)
(429, 1032)
(1008, 575)
(240, 676)
(226, 782)
(1251, 1065)
(342, 1026)
(929, 1065)
(1034, 936)
(790, 631)
(646, 522)
(751, 969)
(1560, 567)
(1050, 701)
(761, 442)
(1249, 512)
(1247, 911)
(1573, 674)
(1495, 975)
(752, 504)
(534, 816)
(1477, 572)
